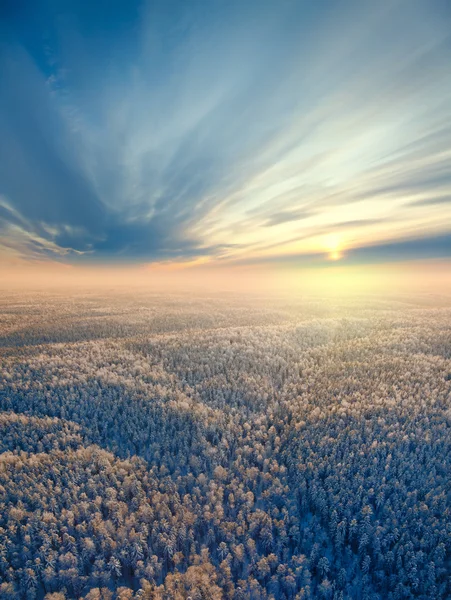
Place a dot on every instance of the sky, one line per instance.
(223, 132)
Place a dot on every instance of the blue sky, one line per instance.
(225, 132)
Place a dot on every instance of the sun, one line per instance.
(333, 245)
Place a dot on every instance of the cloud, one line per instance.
(435, 247)
(419, 248)
(432, 201)
(163, 131)
(287, 216)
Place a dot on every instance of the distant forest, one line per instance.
(202, 448)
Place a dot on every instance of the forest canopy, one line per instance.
(187, 447)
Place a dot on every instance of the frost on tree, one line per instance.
(234, 449)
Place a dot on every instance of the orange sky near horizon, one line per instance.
(410, 277)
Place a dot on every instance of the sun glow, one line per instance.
(333, 245)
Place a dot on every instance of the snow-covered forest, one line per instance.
(191, 447)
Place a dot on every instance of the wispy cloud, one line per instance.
(434, 247)
(432, 201)
(237, 131)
